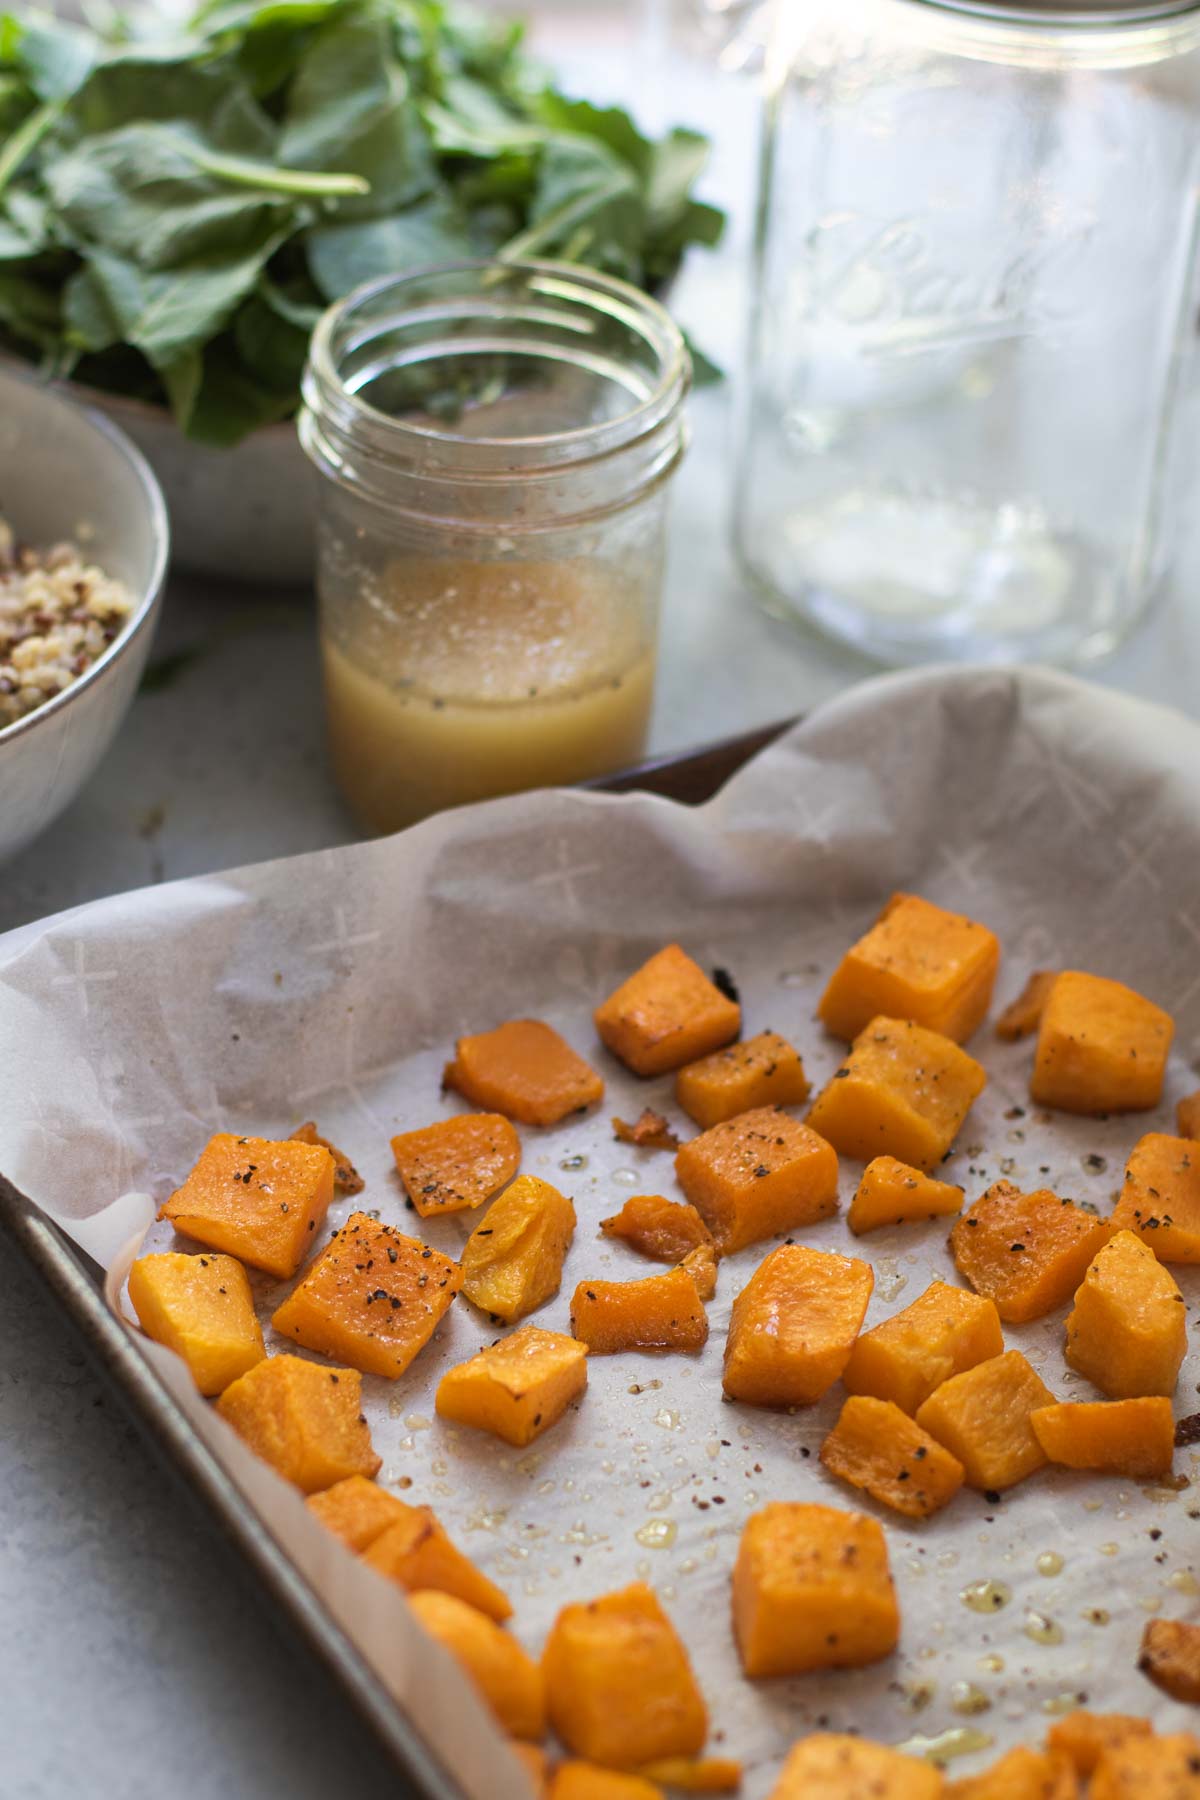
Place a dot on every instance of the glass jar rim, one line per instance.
(1067, 15)
(325, 390)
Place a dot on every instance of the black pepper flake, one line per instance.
(761, 1170)
(993, 1499)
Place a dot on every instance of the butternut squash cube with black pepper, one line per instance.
(1022, 1774)
(1134, 1438)
(1127, 1331)
(1149, 1768)
(757, 1176)
(828, 1766)
(1027, 1252)
(983, 1417)
(524, 1070)
(1101, 1047)
(1022, 1016)
(1187, 1115)
(456, 1164)
(512, 1262)
(619, 1686)
(793, 1326)
(504, 1674)
(202, 1308)
(356, 1510)
(373, 1297)
(258, 1200)
(517, 1388)
(893, 1193)
(763, 1071)
(812, 1589)
(303, 1419)
(576, 1780)
(414, 1552)
(917, 962)
(667, 1230)
(943, 1332)
(1170, 1656)
(665, 1014)
(660, 1312)
(876, 1447)
(1160, 1198)
(902, 1091)
(1082, 1737)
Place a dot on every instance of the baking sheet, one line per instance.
(333, 985)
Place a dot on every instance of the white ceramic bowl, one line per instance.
(65, 472)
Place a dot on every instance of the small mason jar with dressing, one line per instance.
(495, 444)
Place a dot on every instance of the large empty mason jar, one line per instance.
(975, 301)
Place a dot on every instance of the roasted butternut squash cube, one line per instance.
(1135, 1438)
(1101, 1048)
(1160, 1198)
(902, 1091)
(793, 1326)
(701, 1265)
(518, 1388)
(1127, 1331)
(585, 1781)
(892, 1193)
(876, 1447)
(202, 1308)
(1022, 1016)
(1187, 1115)
(415, 1553)
(943, 1332)
(1170, 1657)
(346, 1178)
(505, 1674)
(1027, 1252)
(1149, 1768)
(373, 1297)
(757, 1176)
(667, 1230)
(524, 1070)
(512, 1262)
(619, 1685)
(259, 1200)
(305, 1420)
(666, 1014)
(812, 1589)
(983, 1418)
(660, 1312)
(917, 962)
(1023, 1774)
(827, 1766)
(1082, 1737)
(762, 1071)
(697, 1774)
(457, 1164)
(356, 1510)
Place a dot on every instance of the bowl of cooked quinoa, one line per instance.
(83, 553)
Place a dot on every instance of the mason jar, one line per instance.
(975, 303)
(494, 445)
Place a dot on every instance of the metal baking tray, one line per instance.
(74, 1283)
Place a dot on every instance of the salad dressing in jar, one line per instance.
(497, 440)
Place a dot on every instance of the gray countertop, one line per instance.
(133, 1659)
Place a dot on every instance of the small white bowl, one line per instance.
(67, 473)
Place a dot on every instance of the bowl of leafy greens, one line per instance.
(178, 205)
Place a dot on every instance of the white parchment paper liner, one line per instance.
(332, 986)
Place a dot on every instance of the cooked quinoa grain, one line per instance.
(57, 615)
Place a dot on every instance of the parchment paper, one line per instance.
(332, 986)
